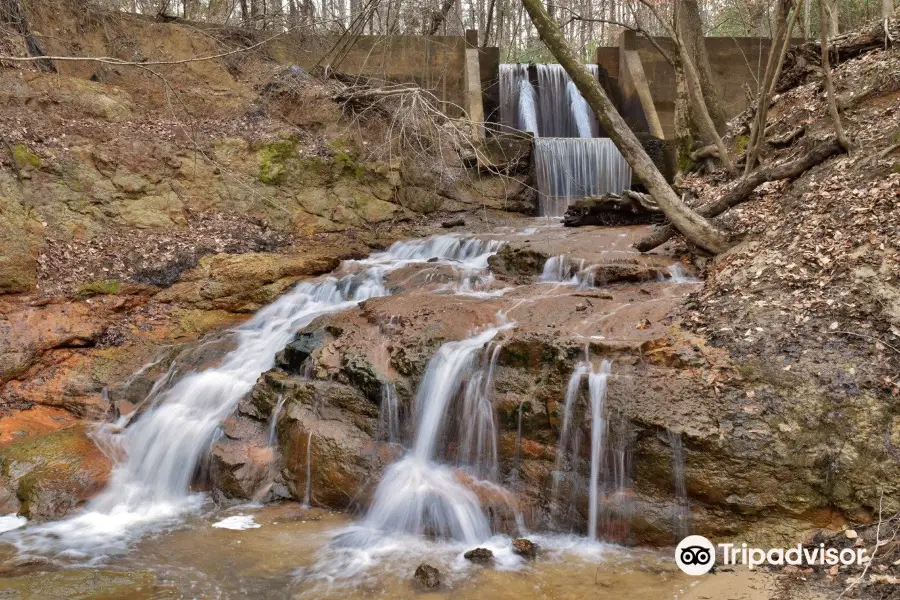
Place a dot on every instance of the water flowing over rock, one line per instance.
(417, 495)
(163, 448)
(568, 169)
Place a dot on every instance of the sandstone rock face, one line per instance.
(53, 473)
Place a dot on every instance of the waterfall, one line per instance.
(681, 525)
(571, 168)
(164, 445)
(308, 492)
(389, 415)
(555, 109)
(581, 112)
(572, 389)
(511, 78)
(605, 482)
(417, 495)
(597, 389)
(527, 119)
(477, 428)
(556, 270)
(557, 104)
(273, 420)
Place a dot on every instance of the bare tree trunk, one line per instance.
(438, 17)
(833, 10)
(887, 11)
(780, 42)
(829, 84)
(487, 27)
(690, 29)
(685, 132)
(695, 228)
(705, 123)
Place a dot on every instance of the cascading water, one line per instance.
(273, 420)
(307, 495)
(572, 168)
(164, 445)
(565, 432)
(477, 428)
(389, 415)
(511, 78)
(527, 119)
(597, 383)
(417, 495)
(681, 525)
(559, 269)
(606, 479)
(558, 105)
(585, 123)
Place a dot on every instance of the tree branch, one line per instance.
(745, 186)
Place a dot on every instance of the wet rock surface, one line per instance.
(427, 576)
(525, 548)
(480, 556)
(46, 476)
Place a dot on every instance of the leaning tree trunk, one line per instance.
(695, 228)
(690, 30)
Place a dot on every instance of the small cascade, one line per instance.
(389, 415)
(417, 495)
(517, 455)
(608, 463)
(597, 383)
(307, 495)
(681, 525)
(273, 421)
(572, 391)
(677, 274)
(573, 168)
(559, 269)
(477, 428)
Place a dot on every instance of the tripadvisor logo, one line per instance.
(696, 555)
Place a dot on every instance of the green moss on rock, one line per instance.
(26, 158)
(272, 159)
(99, 288)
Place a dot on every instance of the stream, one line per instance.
(153, 534)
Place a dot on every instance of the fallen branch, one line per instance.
(745, 186)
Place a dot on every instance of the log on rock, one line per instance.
(630, 208)
(745, 186)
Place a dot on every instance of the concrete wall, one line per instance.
(436, 63)
(734, 62)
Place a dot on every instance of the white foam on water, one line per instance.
(11, 521)
(237, 523)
